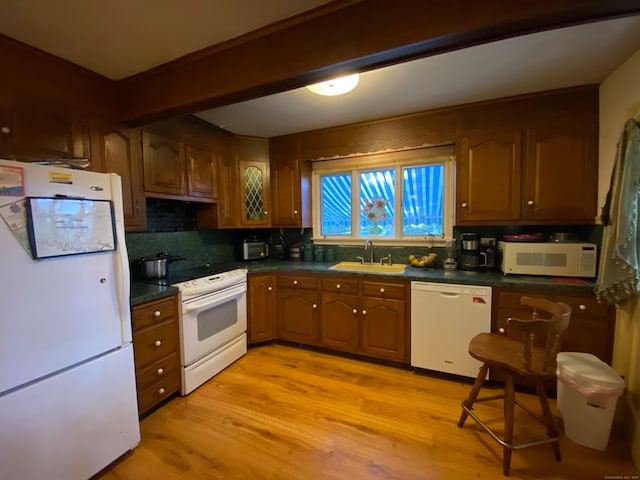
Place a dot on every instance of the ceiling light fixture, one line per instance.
(336, 86)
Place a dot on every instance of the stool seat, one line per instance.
(532, 360)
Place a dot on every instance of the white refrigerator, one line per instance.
(68, 404)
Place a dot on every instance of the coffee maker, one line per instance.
(470, 255)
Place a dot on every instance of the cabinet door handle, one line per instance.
(266, 213)
(156, 313)
(464, 204)
(295, 212)
(530, 203)
(582, 306)
(160, 371)
(5, 130)
(157, 343)
(364, 312)
(355, 310)
(315, 305)
(295, 282)
(161, 391)
(501, 330)
(338, 286)
(269, 288)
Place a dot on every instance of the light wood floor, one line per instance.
(287, 413)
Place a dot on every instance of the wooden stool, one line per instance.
(530, 360)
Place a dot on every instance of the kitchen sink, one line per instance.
(395, 269)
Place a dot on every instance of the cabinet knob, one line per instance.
(266, 213)
(501, 330)
(315, 305)
(582, 307)
(295, 282)
(5, 130)
(530, 202)
(355, 310)
(157, 343)
(364, 312)
(161, 391)
(382, 290)
(160, 371)
(295, 212)
(338, 286)
(269, 288)
(464, 204)
(156, 313)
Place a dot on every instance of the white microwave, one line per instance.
(546, 258)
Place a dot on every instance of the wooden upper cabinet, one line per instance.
(560, 178)
(290, 184)
(227, 206)
(202, 169)
(488, 177)
(164, 165)
(118, 150)
(34, 126)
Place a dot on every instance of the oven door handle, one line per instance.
(214, 299)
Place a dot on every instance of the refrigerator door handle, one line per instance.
(121, 264)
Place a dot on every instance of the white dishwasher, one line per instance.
(444, 318)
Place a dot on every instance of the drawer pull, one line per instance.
(157, 343)
(156, 313)
(382, 290)
(295, 282)
(338, 286)
(501, 330)
(160, 371)
(161, 391)
(582, 306)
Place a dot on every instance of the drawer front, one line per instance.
(298, 281)
(157, 392)
(154, 313)
(585, 306)
(340, 285)
(158, 371)
(383, 290)
(511, 300)
(155, 343)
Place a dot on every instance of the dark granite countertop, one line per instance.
(142, 292)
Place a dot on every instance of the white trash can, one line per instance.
(588, 391)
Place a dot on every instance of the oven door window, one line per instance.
(217, 319)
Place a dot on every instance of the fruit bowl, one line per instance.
(423, 261)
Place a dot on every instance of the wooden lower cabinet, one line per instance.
(297, 310)
(156, 348)
(365, 316)
(261, 307)
(592, 324)
(340, 314)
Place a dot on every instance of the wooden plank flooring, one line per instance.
(287, 413)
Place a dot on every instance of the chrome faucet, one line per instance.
(368, 244)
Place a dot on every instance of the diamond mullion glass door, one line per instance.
(254, 186)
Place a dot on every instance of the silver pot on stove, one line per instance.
(146, 268)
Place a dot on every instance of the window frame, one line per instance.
(395, 160)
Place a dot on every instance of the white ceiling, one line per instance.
(119, 38)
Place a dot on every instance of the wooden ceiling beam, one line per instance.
(342, 37)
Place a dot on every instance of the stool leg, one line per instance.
(509, 402)
(548, 418)
(477, 385)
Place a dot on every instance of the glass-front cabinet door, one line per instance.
(255, 192)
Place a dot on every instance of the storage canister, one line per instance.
(308, 252)
(329, 255)
(319, 255)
